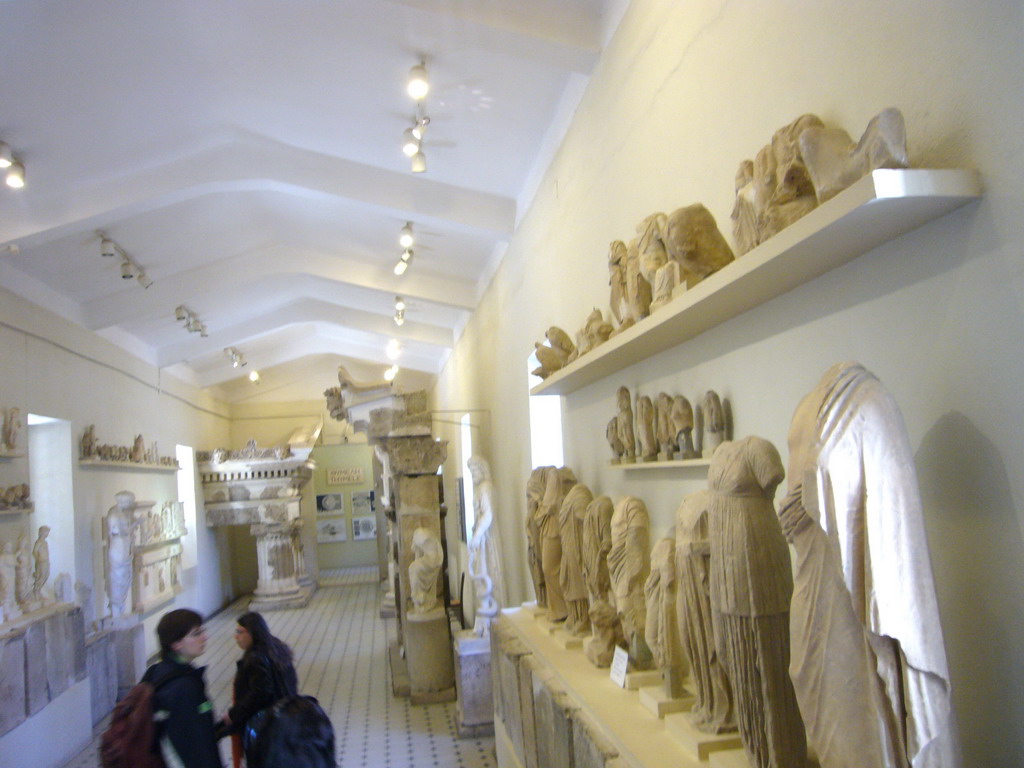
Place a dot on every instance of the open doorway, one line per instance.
(50, 455)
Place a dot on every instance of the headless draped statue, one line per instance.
(868, 660)
(570, 574)
(629, 565)
(121, 525)
(484, 557)
(427, 559)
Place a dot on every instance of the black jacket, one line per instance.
(184, 715)
(258, 684)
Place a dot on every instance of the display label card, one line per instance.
(345, 476)
(620, 665)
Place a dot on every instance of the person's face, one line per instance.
(192, 645)
(242, 637)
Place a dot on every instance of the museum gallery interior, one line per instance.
(660, 361)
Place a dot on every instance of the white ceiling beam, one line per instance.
(258, 164)
(240, 272)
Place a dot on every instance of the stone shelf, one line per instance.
(8, 455)
(133, 465)
(20, 511)
(675, 464)
(876, 209)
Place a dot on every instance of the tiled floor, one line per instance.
(340, 645)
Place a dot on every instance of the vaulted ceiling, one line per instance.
(247, 156)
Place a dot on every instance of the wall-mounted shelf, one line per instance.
(674, 464)
(6, 455)
(20, 511)
(130, 465)
(879, 207)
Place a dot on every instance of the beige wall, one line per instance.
(348, 553)
(684, 92)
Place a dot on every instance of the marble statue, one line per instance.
(713, 708)
(611, 433)
(8, 583)
(617, 283)
(556, 486)
(23, 572)
(638, 290)
(657, 269)
(630, 291)
(484, 555)
(628, 566)
(662, 628)
(751, 585)
(570, 573)
(834, 161)
(121, 525)
(666, 434)
(693, 241)
(682, 426)
(139, 450)
(423, 570)
(780, 190)
(625, 425)
(555, 354)
(714, 423)
(12, 426)
(744, 212)
(604, 620)
(595, 332)
(41, 556)
(868, 660)
(534, 495)
(645, 427)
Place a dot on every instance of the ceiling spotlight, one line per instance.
(12, 248)
(399, 304)
(127, 273)
(393, 349)
(191, 324)
(237, 358)
(390, 373)
(6, 156)
(418, 85)
(181, 312)
(400, 267)
(405, 239)
(400, 317)
(420, 127)
(410, 143)
(107, 248)
(254, 377)
(144, 279)
(203, 332)
(419, 162)
(16, 175)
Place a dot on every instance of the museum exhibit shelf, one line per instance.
(132, 465)
(674, 464)
(876, 209)
(20, 511)
(8, 455)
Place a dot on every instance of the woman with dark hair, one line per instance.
(296, 733)
(181, 708)
(265, 675)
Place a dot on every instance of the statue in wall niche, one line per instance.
(868, 660)
(713, 708)
(780, 187)
(594, 333)
(662, 628)
(645, 426)
(555, 354)
(693, 241)
(604, 620)
(682, 426)
(555, 489)
(534, 496)
(611, 433)
(666, 434)
(138, 450)
(628, 567)
(624, 423)
(423, 570)
(41, 556)
(8, 582)
(714, 423)
(23, 572)
(12, 426)
(834, 161)
(570, 573)
(121, 525)
(484, 557)
(751, 586)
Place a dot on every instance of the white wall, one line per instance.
(683, 93)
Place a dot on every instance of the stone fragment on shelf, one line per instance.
(692, 240)
(714, 424)
(666, 434)
(624, 422)
(628, 566)
(594, 333)
(555, 354)
(682, 426)
(645, 427)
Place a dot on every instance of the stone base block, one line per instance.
(659, 704)
(298, 599)
(533, 609)
(566, 639)
(473, 731)
(428, 654)
(474, 685)
(432, 697)
(637, 680)
(399, 671)
(729, 758)
(698, 744)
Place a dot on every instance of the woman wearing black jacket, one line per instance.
(265, 674)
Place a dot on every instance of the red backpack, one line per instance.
(130, 741)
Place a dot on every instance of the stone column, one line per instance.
(278, 585)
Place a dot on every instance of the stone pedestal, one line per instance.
(276, 556)
(428, 653)
(473, 685)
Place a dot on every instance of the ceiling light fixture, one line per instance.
(254, 377)
(403, 262)
(399, 304)
(419, 162)
(144, 280)
(410, 144)
(108, 248)
(127, 273)
(393, 350)
(6, 156)
(405, 238)
(181, 312)
(419, 84)
(237, 358)
(192, 322)
(390, 373)
(16, 175)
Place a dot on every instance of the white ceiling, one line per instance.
(247, 156)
